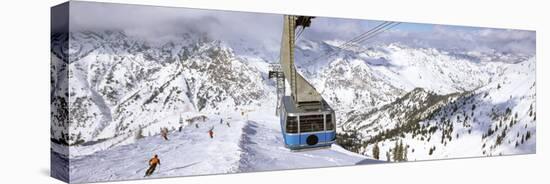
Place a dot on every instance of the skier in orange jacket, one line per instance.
(152, 165)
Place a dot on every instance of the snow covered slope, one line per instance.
(498, 118)
(241, 146)
(423, 98)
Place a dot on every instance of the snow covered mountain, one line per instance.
(119, 84)
(386, 94)
(386, 72)
(436, 103)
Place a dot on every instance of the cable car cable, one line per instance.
(375, 34)
(348, 43)
(372, 34)
(368, 34)
(364, 49)
(363, 34)
(302, 22)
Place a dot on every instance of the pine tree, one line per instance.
(400, 152)
(376, 152)
(405, 153)
(396, 151)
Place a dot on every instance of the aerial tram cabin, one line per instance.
(306, 128)
(307, 121)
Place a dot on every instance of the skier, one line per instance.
(152, 165)
(228, 125)
(164, 133)
(221, 121)
(197, 125)
(211, 133)
(181, 127)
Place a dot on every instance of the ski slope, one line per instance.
(243, 146)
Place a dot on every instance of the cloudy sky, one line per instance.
(151, 22)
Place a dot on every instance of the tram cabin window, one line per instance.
(292, 125)
(330, 124)
(311, 123)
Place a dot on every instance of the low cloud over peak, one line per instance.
(264, 30)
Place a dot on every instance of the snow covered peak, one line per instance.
(119, 83)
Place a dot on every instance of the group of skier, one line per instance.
(155, 161)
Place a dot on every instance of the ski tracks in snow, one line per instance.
(245, 146)
(263, 150)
